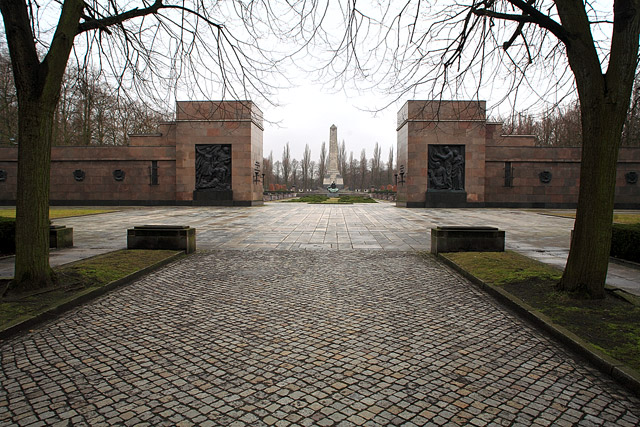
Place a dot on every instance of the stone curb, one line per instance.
(620, 372)
(56, 311)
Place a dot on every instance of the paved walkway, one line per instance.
(268, 337)
(291, 226)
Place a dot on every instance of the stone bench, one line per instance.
(60, 236)
(466, 239)
(178, 237)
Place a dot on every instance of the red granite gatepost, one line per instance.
(238, 123)
(424, 123)
(499, 170)
(154, 169)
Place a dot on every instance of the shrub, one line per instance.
(7, 235)
(356, 199)
(625, 242)
(315, 198)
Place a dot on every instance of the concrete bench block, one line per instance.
(178, 237)
(466, 239)
(60, 236)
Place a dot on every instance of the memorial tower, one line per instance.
(333, 174)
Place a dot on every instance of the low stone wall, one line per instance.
(549, 177)
(100, 175)
(155, 169)
(466, 239)
(60, 236)
(178, 237)
(498, 170)
(384, 196)
(269, 197)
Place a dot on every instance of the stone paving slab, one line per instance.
(295, 226)
(268, 337)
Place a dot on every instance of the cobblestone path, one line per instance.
(281, 338)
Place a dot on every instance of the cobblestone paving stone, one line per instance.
(239, 338)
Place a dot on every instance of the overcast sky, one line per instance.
(306, 114)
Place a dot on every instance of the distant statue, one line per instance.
(333, 188)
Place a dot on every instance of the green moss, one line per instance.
(500, 268)
(76, 279)
(611, 324)
(356, 199)
(314, 198)
(59, 212)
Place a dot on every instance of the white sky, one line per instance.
(307, 112)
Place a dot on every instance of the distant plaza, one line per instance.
(448, 155)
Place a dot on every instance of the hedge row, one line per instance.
(7, 235)
(625, 242)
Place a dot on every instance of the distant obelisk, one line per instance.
(333, 174)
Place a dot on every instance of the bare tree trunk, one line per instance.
(38, 85)
(35, 125)
(588, 261)
(604, 100)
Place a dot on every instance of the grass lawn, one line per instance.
(59, 212)
(326, 200)
(611, 324)
(619, 218)
(77, 279)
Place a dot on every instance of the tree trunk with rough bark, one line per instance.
(586, 269)
(32, 202)
(604, 101)
(38, 84)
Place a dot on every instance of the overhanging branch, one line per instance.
(542, 20)
(504, 16)
(94, 24)
(530, 15)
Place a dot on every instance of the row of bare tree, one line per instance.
(562, 126)
(90, 111)
(307, 174)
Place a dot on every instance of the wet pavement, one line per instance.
(293, 226)
(295, 315)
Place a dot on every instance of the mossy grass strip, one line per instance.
(313, 198)
(356, 199)
(60, 212)
(618, 218)
(79, 282)
(500, 268)
(611, 325)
